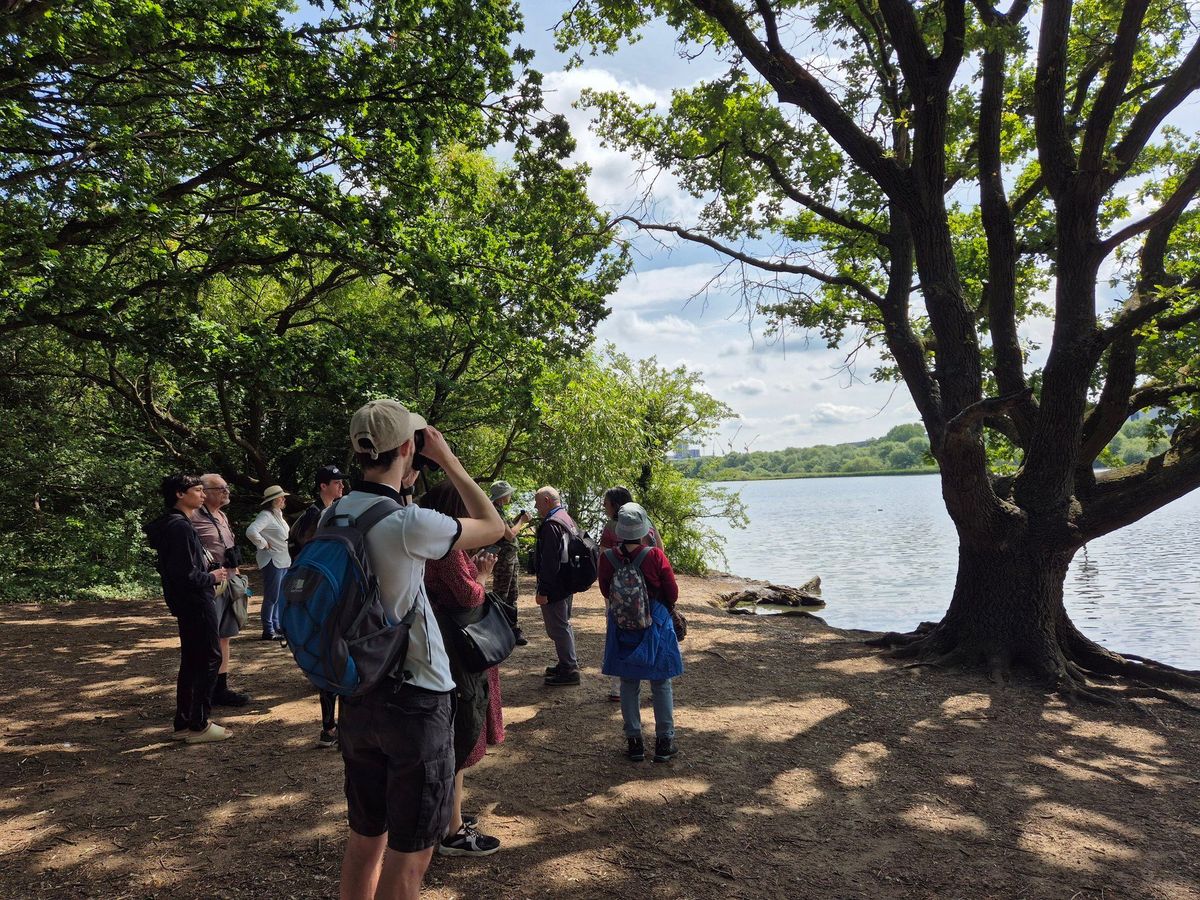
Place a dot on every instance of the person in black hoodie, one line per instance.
(188, 588)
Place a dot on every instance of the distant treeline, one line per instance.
(903, 450)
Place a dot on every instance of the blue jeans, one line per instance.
(664, 707)
(272, 577)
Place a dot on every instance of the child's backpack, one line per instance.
(333, 618)
(628, 596)
(582, 565)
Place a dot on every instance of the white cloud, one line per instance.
(749, 386)
(670, 327)
(836, 414)
(616, 181)
(674, 285)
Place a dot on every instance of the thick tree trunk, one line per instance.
(1008, 600)
(1007, 617)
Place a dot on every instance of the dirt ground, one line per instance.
(809, 766)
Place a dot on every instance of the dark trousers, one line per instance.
(505, 584)
(328, 710)
(199, 660)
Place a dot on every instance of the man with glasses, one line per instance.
(217, 538)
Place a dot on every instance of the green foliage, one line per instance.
(220, 232)
(607, 420)
(904, 448)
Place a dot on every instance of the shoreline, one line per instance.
(798, 476)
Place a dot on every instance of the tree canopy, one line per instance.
(925, 178)
(223, 229)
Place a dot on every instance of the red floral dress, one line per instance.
(451, 585)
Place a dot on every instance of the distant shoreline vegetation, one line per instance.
(926, 470)
(902, 451)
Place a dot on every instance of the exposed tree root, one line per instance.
(1155, 664)
(1070, 667)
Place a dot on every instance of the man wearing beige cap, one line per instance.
(397, 741)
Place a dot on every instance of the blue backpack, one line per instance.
(335, 623)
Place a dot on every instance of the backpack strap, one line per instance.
(641, 557)
(380, 509)
(375, 513)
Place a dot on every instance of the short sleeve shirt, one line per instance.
(214, 531)
(399, 546)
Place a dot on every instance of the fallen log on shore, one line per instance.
(767, 593)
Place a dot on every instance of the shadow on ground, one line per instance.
(809, 767)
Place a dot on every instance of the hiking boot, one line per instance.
(209, 735)
(468, 842)
(563, 678)
(664, 749)
(636, 751)
(229, 698)
(328, 738)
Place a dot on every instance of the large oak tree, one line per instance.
(916, 174)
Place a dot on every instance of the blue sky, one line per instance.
(793, 392)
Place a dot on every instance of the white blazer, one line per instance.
(269, 534)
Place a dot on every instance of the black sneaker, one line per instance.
(553, 670)
(468, 842)
(563, 678)
(520, 636)
(229, 698)
(328, 738)
(664, 749)
(269, 635)
(636, 751)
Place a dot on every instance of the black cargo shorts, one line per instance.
(398, 748)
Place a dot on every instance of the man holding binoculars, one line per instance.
(397, 741)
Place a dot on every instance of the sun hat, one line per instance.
(274, 492)
(632, 522)
(500, 490)
(383, 425)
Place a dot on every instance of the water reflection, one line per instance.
(886, 553)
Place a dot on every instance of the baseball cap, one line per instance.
(383, 425)
(326, 474)
(633, 523)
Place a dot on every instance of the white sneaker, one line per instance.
(212, 733)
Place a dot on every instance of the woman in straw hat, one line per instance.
(269, 534)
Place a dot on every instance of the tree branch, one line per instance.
(854, 284)
(1120, 67)
(828, 213)
(1123, 496)
(1050, 85)
(1183, 81)
(795, 84)
(1170, 209)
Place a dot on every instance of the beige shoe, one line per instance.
(212, 733)
(180, 735)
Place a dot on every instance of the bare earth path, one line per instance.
(809, 767)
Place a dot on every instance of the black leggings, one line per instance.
(199, 660)
(328, 710)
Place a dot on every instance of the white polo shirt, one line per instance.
(399, 546)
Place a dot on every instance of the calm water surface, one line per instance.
(886, 553)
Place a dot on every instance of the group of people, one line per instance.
(407, 743)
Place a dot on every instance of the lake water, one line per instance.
(886, 550)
